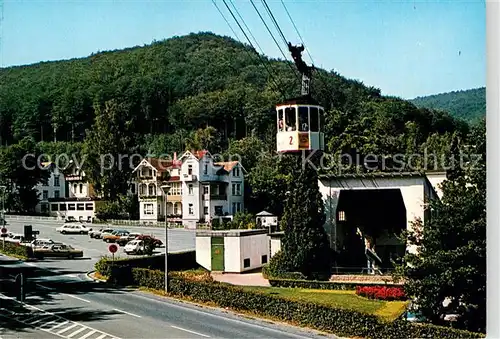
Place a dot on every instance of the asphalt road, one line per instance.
(94, 249)
(62, 306)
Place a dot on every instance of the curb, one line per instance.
(91, 277)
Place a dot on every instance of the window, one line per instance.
(218, 210)
(75, 186)
(56, 194)
(234, 208)
(56, 181)
(89, 206)
(175, 189)
(71, 207)
(190, 211)
(246, 262)
(148, 209)
(176, 209)
(142, 189)
(152, 189)
(321, 118)
(341, 216)
(205, 189)
(281, 120)
(264, 259)
(236, 189)
(80, 207)
(54, 207)
(190, 169)
(238, 207)
(205, 210)
(190, 189)
(45, 195)
(290, 120)
(62, 207)
(45, 208)
(81, 188)
(314, 123)
(205, 169)
(236, 172)
(303, 119)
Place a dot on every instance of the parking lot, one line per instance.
(94, 249)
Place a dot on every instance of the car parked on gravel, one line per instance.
(98, 234)
(73, 229)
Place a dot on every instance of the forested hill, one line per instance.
(469, 105)
(168, 90)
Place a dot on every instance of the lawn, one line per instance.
(387, 310)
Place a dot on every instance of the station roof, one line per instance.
(302, 100)
(372, 175)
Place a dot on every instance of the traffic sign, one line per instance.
(113, 248)
(4, 230)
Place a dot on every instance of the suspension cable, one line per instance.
(298, 33)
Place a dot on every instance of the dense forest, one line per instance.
(469, 105)
(205, 91)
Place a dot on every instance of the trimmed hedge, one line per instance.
(122, 267)
(323, 285)
(18, 250)
(342, 322)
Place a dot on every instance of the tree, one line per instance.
(107, 147)
(20, 172)
(305, 247)
(450, 258)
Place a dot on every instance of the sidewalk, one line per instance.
(241, 279)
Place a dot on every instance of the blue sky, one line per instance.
(406, 48)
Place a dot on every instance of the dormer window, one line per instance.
(236, 172)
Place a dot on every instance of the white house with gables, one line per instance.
(210, 190)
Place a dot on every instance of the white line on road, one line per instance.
(88, 334)
(45, 287)
(75, 297)
(135, 315)
(81, 329)
(67, 328)
(193, 332)
(101, 336)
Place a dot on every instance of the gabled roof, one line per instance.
(198, 155)
(229, 165)
(265, 214)
(161, 165)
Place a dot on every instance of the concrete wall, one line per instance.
(253, 247)
(204, 252)
(232, 258)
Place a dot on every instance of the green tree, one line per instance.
(107, 147)
(305, 247)
(20, 172)
(450, 258)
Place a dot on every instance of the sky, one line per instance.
(406, 48)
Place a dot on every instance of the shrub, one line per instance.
(18, 250)
(321, 285)
(277, 269)
(342, 322)
(381, 292)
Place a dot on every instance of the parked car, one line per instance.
(114, 236)
(157, 242)
(125, 239)
(97, 234)
(73, 229)
(58, 251)
(43, 242)
(15, 238)
(137, 247)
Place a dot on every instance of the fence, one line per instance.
(31, 217)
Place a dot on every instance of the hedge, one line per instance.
(21, 251)
(323, 285)
(341, 322)
(122, 267)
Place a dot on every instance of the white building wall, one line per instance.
(275, 246)
(190, 219)
(253, 247)
(232, 262)
(51, 188)
(79, 189)
(436, 179)
(204, 252)
(143, 207)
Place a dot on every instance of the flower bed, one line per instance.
(381, 292)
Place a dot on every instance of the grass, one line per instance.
(387, 310)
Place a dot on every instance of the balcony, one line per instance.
(188, 177)
(73, 178)
(216, 196)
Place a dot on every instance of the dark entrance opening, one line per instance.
(378, 213)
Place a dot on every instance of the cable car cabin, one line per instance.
(299, 125)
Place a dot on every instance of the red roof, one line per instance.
(162, 165)
(228, 165)
(199, 154)
(175, 178)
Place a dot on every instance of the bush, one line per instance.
(18, 250)
(342, 322)
(322, 285)
(277, 269)
(381, 292)
(176, 261)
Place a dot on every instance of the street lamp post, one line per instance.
(4, 188)
(166, 190)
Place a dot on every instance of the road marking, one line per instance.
(76, 332)
(135, 315)
(193, 332)
(40, 319)
(45, 287)
(59, 325)
(67, 328)
(88, 334)
(75, 297)
(101, 336)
